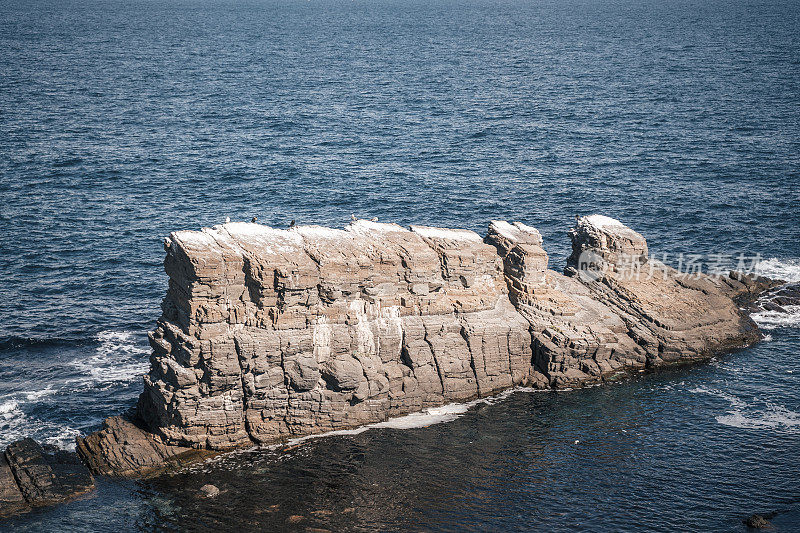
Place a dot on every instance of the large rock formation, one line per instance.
(274, 333)
(268, 334)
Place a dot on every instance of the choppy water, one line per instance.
(121, 121)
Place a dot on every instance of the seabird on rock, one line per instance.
(374, 219)
(353, 218)
(291, 224)
(254, 219)
(227, 219)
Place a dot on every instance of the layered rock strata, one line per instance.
(32, 476)
(268, 334)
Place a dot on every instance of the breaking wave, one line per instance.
(15, 425)
(428, 417)
(783, 269)
(778, 319)
(119, 357)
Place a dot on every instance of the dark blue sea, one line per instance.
(121, 121)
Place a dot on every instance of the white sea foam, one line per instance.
(8, 408)
(778, 319)
(13, 422)
(784, 269)
(775, 417)
(33, 396)
(118, 359)
(63, 437)
(730, 398)
(15, 425)
(742, 415)
(428, 417)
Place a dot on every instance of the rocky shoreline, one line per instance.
(269, 334)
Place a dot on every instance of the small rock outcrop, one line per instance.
(122, 448)
(11, 498)
(32, 476)
(269, 334)
(756, 521)
(209, 491)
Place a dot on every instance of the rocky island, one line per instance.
(270, 334)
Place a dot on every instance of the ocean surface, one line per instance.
(123, 121)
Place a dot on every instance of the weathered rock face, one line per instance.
(31, 476)
(271, 333)
(606, 241)
(670, 316)
(122, 448)
(11, 498)
(576, 338)
(268, 334)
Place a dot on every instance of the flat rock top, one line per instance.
(294, 238)
(264, 240)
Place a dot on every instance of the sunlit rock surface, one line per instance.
(268, 334)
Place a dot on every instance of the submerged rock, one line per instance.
(268, 334)
(756, 521)
(209, 491)
(777, 298)
(31, 476)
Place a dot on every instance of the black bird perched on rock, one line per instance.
(291, 224)
(254, 219)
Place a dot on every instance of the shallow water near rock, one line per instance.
(122, 122)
